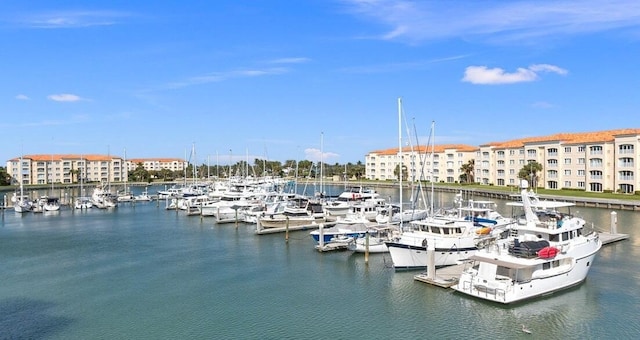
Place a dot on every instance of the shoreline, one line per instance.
(605, 203)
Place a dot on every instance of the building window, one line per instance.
(626, 148)
(595, 150)
(626, 175)
(567, 149)
(626, 162)
(595, 162)
(552, 152)
(626, 188)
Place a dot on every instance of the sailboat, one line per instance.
(82, 202)
(49, 202)
(396, 213)
(22, 203)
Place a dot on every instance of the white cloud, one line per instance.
(221, 76)
(71, 19)
(548, 68)
(22, 97)
(64, 97)
(483, 75)
(498, 20)
(298, 60)
(316, 155)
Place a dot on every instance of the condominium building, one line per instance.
(156, 164)
(592, 161)
(44, 169)
(597, 161)
(438, 163)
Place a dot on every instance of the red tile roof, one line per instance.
(427, 148)
(58, 157)
(577, 137)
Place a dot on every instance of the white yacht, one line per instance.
(454, 237)
(546, 252)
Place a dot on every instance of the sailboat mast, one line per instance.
(400, 154)
(321, 163)
(433, 152)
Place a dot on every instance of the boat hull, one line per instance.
(508, 290)
(413, 257)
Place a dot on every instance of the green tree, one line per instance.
(74, 175)
(467, 170)
(405, 172)
(140, 174)
(5, 179)
(165, 174)
(530, 173)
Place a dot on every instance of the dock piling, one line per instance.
(614, 222)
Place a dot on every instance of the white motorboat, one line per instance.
(83, 203)
(339, 236)
(51, 204)
(102, 198)
(350, 196)
(393, 213)
(546, 252)
(454, 235)
(299, 211)
(143, 197)
(374, 241)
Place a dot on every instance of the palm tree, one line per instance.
(74, 173)
(530, 172)
(405, 172)
(468, 171)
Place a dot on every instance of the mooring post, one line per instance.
(614, 222)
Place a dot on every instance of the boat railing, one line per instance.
(495, 293)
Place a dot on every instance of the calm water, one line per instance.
(142, 272)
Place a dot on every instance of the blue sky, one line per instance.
(288, 79)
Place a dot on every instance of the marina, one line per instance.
(141, 271)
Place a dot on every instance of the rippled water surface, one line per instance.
(141, 271)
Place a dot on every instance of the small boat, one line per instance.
(83, 203)
(143, 197)
(375, 239)
(51, 204)
(338, 236)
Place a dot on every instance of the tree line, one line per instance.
(304, 168)
(259, 168)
